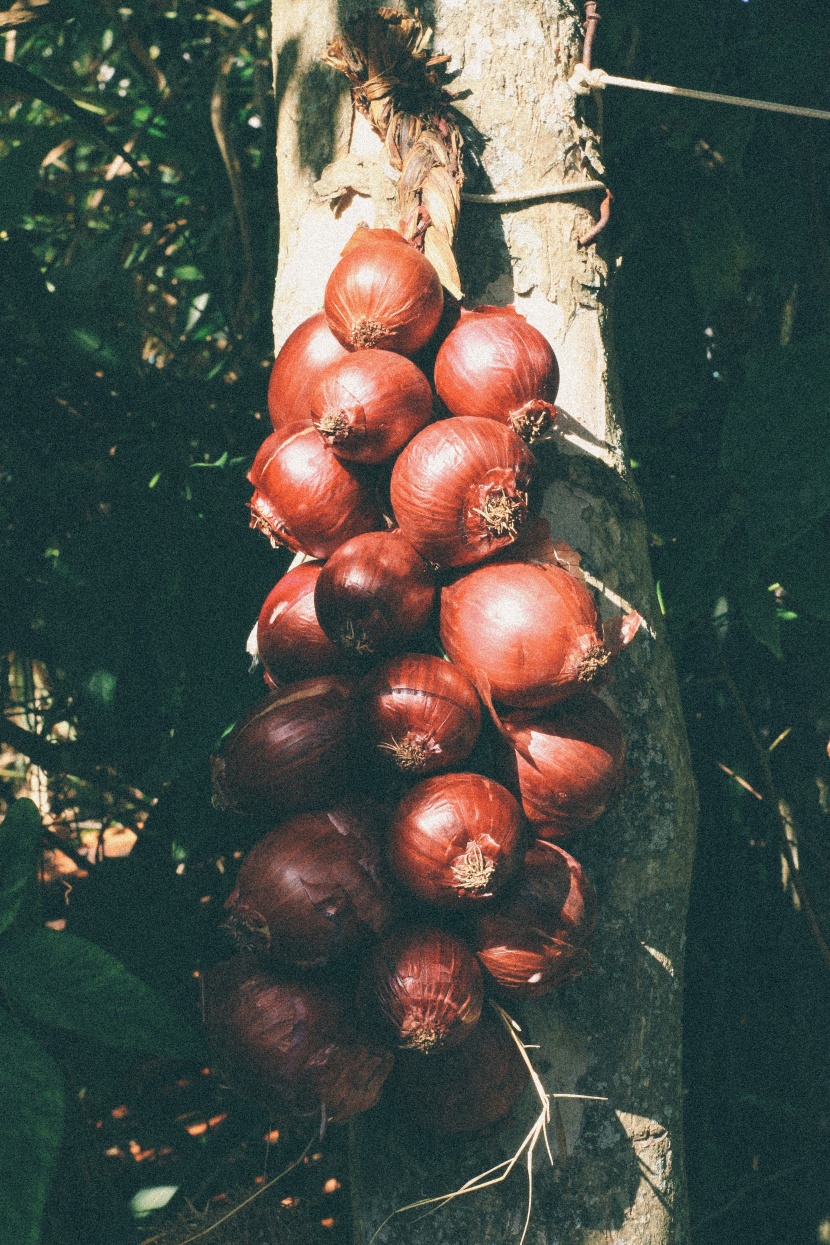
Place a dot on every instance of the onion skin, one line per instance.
(455, 839)
(374, 594)
(289, 1044)
(564, 766)
(304, 357)
(307, 499)
(459, 490)
(528, 634)
(424, 715)
(365, 235)
(428, 988)
(495, 365)
(385, 296)
(369, 404)
(290, 641)
(536, 937)
(292, 751)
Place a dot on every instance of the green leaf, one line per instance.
(188, 272)
(31, 1108)
(67, 982)
(759, 610)
(19, 839)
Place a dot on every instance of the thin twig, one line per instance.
(592, 20)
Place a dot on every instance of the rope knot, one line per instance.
(583, 80)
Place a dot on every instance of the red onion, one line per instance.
(566, 765)
(455, 839)
(365, 235)
(304, 497)
(535, 937)
(424, 714)
(384, 295)
(494, 364)
(374, 594)
(427, 985)
(289, 1044)
(305, 355)
(369, 404)
(291, 751)
(291, 644)
(460, 490)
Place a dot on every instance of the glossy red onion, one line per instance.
(291, 644)
(366, 235)
(455, 839)
(307, 499)
(459, 490)
(383, 295)
(293, 750)
(424, 715)
(304, 356)
(369, 404)
(529, 634)
(495, 365)
(289, 1044)
(535, 937)
(374, 594)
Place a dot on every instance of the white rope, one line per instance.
(559, 190)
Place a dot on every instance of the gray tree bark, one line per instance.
(617, 1031)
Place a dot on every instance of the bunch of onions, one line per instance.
(427, 987)
(385, 295)
(528, 634)
(290, 642)
(369, 404)
(495, 365)
(455, 839)
(536, 936)
(423, 714)
(313, 888)
(459, 490)
(304, 356)
(289, 1044)
(566, 765)
(304, 497)
(291, 750)
(374, 594)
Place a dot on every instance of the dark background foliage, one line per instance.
(135, 342)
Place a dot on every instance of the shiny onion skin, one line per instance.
(304, 497)
(365, 235)
(465, 1089)
(290, 641)
(424, 715)
(304, 356)
(529, 634)
(495, 365)
(374, 594)
(289, 1044)
(312, 889)
(459, 490)
(454, 839)
(427, 987)
(565, 765)
(293, 750)
(369, 404)
(536, 936)
(383, 295)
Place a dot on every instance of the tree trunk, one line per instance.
(616, 1032)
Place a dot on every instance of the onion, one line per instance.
(289, 1044)
(305, 355)
(528, 635)
(455, 839)
(384, 295)
(423, 713)
(304, 497)
(312, 889)
(290, 752)
(365, 235)
(369, 404)
(428, 989)
(460, 490)
(374, 594)
(291, 644)
(494, 364)
(564, 766)
(535, 937)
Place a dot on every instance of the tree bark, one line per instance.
(616, 1032)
